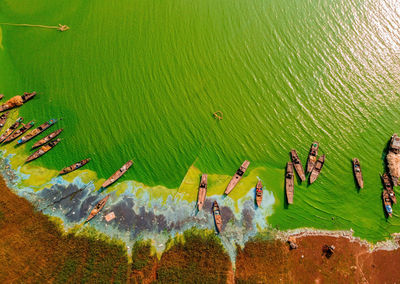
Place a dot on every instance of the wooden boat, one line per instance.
(217, 217)
(117, 174)
(289, 182)
(46, 139)
(43, 150)
(357, 172)
(10, 130)
(387, 202)
(395, 144)
(1, 96)
(17, 101)
(97, 208)
(298, 166)
(3, 119)
(317, 169)
(389, 187)
(236, 178)
(312, 156)
(74, 167)
(202, 192)
(35, 132)
(19, 132)
(259, 193)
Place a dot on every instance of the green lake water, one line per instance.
(140, 80)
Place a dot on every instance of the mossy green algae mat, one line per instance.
(141, 79)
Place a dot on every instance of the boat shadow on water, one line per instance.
(384, 154)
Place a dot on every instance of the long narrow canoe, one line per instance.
(74, 167)
(217, 217)
(236, 178)
(202, 192)
(97, 208)
(117, 174)
(259, 193)
(3, 119)
(357, 172)
(35, 132)
(317, 169)
(17, 101)
(298, 166)
(387, 202)
(289, 182)
(389, 187)
(312, 156)
(46, 139)
(10, 130)
(43, 150)
(19, 132)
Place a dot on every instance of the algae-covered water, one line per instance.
(140, 80)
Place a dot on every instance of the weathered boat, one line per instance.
(1, 96)
(43, 150)
(393, 159)
(97, 208)
(202, 192)
(259, 193)
(11, 130)
(47, 138)
(19, 132)
(395, 144)
(312, 156)
(387, 203)
(74, 167)
(236, 178)
(289, 182)
(35, 132)
(358, 173)
(17, 101)
(317, 168)
(117, 174)
(3, 119)
(389, 187)
(298, 166)
(217, 217)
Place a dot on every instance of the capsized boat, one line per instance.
(317, 169)
(43, 150)
(19, 132)
(217, 217)
(259, 193)
(202, 192)
(236, 178)
(312, 156)
(47, 138)
(289, 182)
(17, 101)
(117, 174)
(389, 187)
(10, 130)
(3, 119)
(298, 166)
(357, 172)
(97, 208)
(74, 167)
(35, 132)
(387, 202)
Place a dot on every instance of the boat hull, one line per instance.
(217, 217)
(237, 177)
(317, 169)
(97, 208)
(74, 167)
(312, 156)
(35, 132)
(259, 193)
(298, 165)
(46, 139)
(357, 173)
(289, 182)
(202, 192)
(43, 150)
(117, 174)
(11, 130)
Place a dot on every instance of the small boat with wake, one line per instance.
(317, 168)
(237, 176)
(17, 101)
(202, 192)
(312, 156)
(46, 139)
(387, 203)
(259, 193)
(43, 150)
(3, 119)
(217, 217)
(357, 172)
(298, 166)
(389, 187)
(289, 182)
(97, 208)
(19, 132)
(117, 174)
(74, 167)
(11, 130)
(35, 132)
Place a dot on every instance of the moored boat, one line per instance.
(117, 174)
(393, 159)
(217, 217)
(17, 101)
(389, 187)
(19, 132)
(289, 182)
(3, 119)
(259, 193)
(43, 150)
(298, 166)
(47, 138)
(97, 208)
(317, 168)
(74, 167)
(11, 130)
(312, 156)
(387, 203)
(202, 192)
(358, 173)
(236, 178)
(35, 132)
